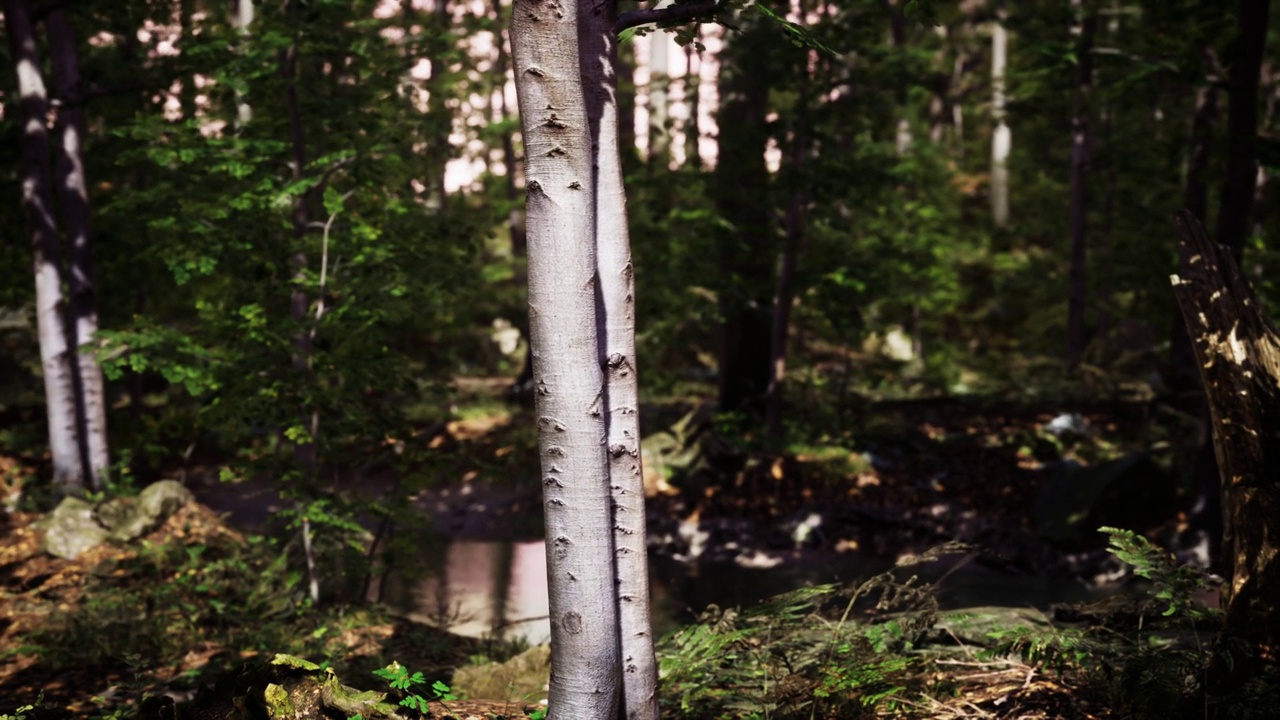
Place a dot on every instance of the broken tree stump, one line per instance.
(1238, 351)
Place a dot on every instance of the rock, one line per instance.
(70, 529)
(130, 518)
(522, 679)
(1130, 492)
(979, 625)
(76, 526)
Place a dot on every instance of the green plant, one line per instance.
(1172, 583)
(399, 678)
(21, 712)
(796, 653)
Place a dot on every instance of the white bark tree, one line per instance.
(616, 320)
(55, 351)
(565, 342)
(1001, 136)
(73, 196)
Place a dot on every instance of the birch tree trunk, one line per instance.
(1002, 136)
(616, 323)
(55, 353)
(1083, 29)
(242, 13)
(73, 194)
(568, 378)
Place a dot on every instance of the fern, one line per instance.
(1173, 583)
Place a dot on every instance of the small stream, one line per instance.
(478, 588)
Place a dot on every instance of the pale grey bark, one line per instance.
(242, 13)
(568, 378)
(55, 353)
(616, 321)
(73, 194)
(1001, 136)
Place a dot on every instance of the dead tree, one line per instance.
(1238, 351)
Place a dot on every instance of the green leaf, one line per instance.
(332, 200)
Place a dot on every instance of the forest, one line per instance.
(613, 360)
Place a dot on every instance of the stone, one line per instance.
(71, 529)
(521, 680)
(130, 518)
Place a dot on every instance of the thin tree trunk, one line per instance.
(69, 471)
(1002, 136)
(659, 82)
(627, 106)
(568, 377)
(741, 191)
(242, 13)
(784, 292)
(73, 193)
(304, 453)
(1084, 28)
(509, 162)
(692, 96)
(616, 328)
(1242, 126)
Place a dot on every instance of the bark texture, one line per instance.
(1236, 211)
(73, 196)
(37, 200)
(616, 324)
(1238, 351)
(568, 378)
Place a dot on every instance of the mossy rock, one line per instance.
(283, 688)
(521, 679)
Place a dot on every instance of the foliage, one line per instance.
(156, 605)
(795, 654)
(399, 678)
(1173, 583)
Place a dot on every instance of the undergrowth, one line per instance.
(810, 653)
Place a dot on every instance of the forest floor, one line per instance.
(117, 622)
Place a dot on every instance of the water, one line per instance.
(477, 588)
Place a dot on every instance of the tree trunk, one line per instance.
(568, 378)
(242, 13)
(73, 194)
(627, 106)
(616, 327)
(304, 452)
(1238, 351)
(1242, 126)
(55, 354)
(659, 81)
(1085, 26)
(741, 190)
(509, 162)
(784, 292)
(692, 96)
(1001, 136)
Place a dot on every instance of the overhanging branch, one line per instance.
(666, 15)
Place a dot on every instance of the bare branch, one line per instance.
(670, 14)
